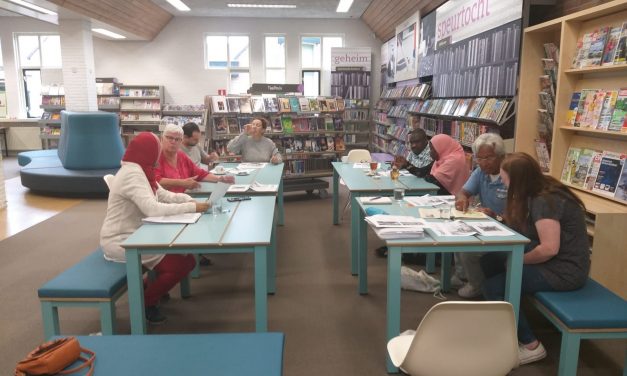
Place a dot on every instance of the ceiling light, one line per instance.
(344, 6)
(178, 4)
(108, 33)
(260, 6)
(33, 7)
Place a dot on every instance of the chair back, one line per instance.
(358, 155)
(108, 178)
(464, 338)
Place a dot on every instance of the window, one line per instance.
(315, 61)
(231, 53)
(275, 59)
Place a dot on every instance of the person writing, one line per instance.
(176, 172)
(419, 161)
(449, 171)
(253, 145)
(486, 185)
(557, 259)
(190, 146)
(135, 194)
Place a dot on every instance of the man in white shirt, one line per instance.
(190, 146)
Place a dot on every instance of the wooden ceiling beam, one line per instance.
(142, 18)
(382, 16)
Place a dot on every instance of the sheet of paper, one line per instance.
(238, 188)
(383, 220)
(490, 228)
(473, 214)
(251, 165)
(176, 218)
(258, 187)
(409, 232)
(362, 165)
(428, 200)
(375, 200)
(452, 228)
(218, 192)
(429, 212)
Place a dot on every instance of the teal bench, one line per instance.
(592, 312)
(92, 282)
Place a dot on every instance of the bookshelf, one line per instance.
(108, 94)
(52, 102)
(357, 124)
(350, 83)
(607, 216)
(182, 114)
(140, 108)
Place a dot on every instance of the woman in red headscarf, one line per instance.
(135, 194)
(449, 171)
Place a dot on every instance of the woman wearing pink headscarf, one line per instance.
(449, 171)
(135, 194)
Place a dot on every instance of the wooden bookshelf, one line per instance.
(53, 102)
(609, 259)
(140, 108)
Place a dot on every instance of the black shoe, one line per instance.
(154, 316)
(204, 261)
(382, 252)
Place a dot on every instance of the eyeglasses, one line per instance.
(484, 159)
(173, 139)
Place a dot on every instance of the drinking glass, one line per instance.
(373, 167)
(217, 207)
(399, 194)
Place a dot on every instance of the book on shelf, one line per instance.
(609, 52)
(284, 105)
(233, 104)
(570, 164)
(546, 86)
(597, 45)
(605, 115)
(304, 104)
(294, 104)
(593, 110)
(323, 105)
(257, 104)
(620, 56)
(220, 124)
(551, 51)
(339, 143)
(233, 125)
(542, 153)
(571, 115)
(621, 186)
(617, 123)
(593, 171)
(287, 124)
(332, 104)
(340, 104)
(609, 173)
(277, 126)
(584, 161)
(585, 99)
(330, 143)
(244, 105)
(314, 105)
(271, 104)
(218, 104)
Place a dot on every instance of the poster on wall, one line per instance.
(457, 20)
(387, 62)
(426, 45)
(405, 57)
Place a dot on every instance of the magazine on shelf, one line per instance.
(617, 123)
(609, 172)
(621, 187)
(570, 164)
(218, 104)
(233, 104)
(244, 105)
(609, 52)
(605, 116)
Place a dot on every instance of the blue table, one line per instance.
(432, 244)
(270, 174)
(245, 227)
(232, 354)
(360, 184)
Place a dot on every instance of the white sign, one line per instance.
(359, 57)
(461, 19)
(406, 62)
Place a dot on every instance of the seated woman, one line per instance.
(176, 171)
(253, 145)
(135, 194)
(449, 170)
(557, 259)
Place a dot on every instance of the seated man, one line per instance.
(190, 146)
(176, 172)
(419, 161)
(485, 183)
(252, 144)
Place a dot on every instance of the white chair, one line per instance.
(460, 338)
(354, 156)
(108, 178)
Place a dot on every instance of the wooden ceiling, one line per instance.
(142, 18)
(382, 16)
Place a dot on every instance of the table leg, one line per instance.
(336, 195)
(430, 267)
(445, 282)
(135, 291)
(272, 262)
(196, 271)
(362, 252)
(280, 204)
(514, 277)
(261, 289)
(354, 233)
(393, 300)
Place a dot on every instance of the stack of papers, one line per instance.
(396, 227)
(238, 188)
(176, 218)
(362, 165)
(251, 165)
(427, 200)
(461, 228)
(383, 220)
(468, 214)
(375, 200)
(410, 232)
(258, 187)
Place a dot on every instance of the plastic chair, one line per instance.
(108, 180)
(460, 338)
(354, 156)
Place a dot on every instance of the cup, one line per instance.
(219, 170)
(217, 207)
(399, 194)
(373, 166)
(445, 211)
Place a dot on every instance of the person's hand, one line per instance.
(249, 129)
(487, 211)
(228, 179)
(213, 156)
(191, 183)
(400, 161)
(202, 207)
(274, 159)
(461, 203)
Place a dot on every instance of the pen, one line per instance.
(376, 198)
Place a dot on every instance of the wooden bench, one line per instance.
(592, 312)
(92, 282)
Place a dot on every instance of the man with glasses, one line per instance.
(191, 147)
(485, 185)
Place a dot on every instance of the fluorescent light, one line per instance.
(178, 4)
(261, 6)
(33, 7)
(108, 33)
(344, 6)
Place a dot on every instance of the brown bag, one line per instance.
(50, 358)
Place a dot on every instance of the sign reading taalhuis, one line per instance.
(358, 57)
(460, 19)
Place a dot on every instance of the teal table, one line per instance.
(244, 227)
(360, 184)
(432, 244)
(227, 354)
(270, 174)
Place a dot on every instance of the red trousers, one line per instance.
(170, 271)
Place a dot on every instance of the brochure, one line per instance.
(176, 218)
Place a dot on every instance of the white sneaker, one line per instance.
(469, 291)
(526, 356)
(456, 282)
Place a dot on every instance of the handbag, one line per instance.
(420, 281)
(50, 358)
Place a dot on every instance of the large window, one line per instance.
(36, 51)
(274, 52)
(230, 53)
(315, 61)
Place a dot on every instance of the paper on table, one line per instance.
(429, 212)
(176, 218)
(361, 165)
(253, 165)
(238, 188)
(375, 200)
(409, 232)
(452, 228)
(218, 192)
(469, 214)
(384, 220)
(258, 187)
(428, 200)
(490, 228)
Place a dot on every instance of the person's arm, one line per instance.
(441, 191)
(276, 156)
(209, 159)
(189, 183)
(137, 189)
(462, 200)
(549, 234)
(219, 179)
(420, 172)
(235, 145)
